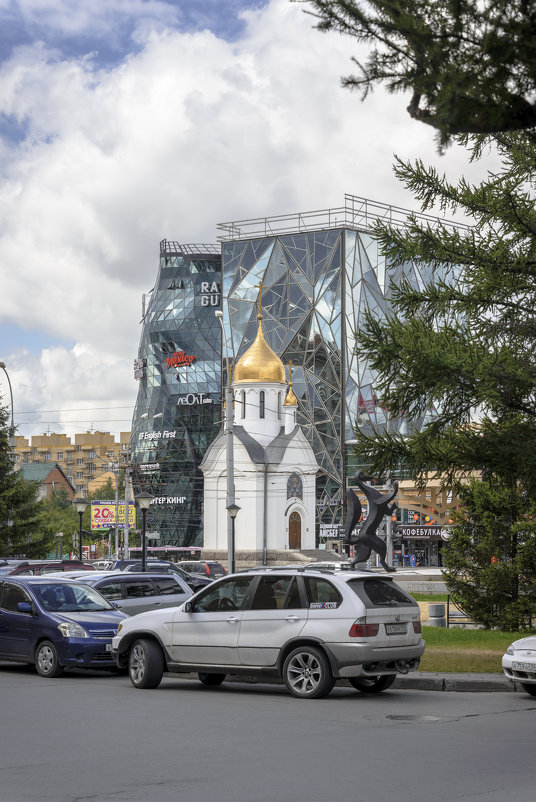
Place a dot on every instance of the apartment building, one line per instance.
(84, 462)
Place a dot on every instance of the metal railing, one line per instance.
(168, 247)
(357, 213)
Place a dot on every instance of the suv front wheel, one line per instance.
(307, 673)
(145, 664)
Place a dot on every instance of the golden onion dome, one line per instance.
(259, 363)
(290, 400)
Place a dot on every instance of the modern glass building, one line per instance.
(178, 409)
(319, 272)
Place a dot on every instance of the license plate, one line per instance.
(108, 647)
(395, 629)
(524, 667)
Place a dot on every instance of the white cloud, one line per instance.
(188, 132)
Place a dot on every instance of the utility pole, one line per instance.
(229, 441)
(127, 499)
(12, 429)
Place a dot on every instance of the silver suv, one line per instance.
(308, 626)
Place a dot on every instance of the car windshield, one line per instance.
(70, 598)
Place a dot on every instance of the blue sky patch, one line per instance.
(13, 339)
(108, 32)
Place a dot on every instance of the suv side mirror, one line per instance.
(188, 607)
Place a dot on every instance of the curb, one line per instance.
(418, 680)
(455, 682)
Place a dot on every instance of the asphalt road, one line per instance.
(94, 737)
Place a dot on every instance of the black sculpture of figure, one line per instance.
(379, 504)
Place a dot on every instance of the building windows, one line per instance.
(91, 468)
(80, 474)
(59, 455)
(79, 461)
(261, 404)
(243, 401)
(92, 454)
(47, 456)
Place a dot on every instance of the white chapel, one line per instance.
(274, 465)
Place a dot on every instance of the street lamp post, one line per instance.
(12, 431)
(80, 505)
(229, 453)
(114, 467)
(232, 509)
(143, 500)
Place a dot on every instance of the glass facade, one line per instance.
(316, 285)
(178, 407)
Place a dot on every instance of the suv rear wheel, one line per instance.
(372, 684)
(307, 673)
(145, 664)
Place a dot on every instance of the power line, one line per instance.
(77, 409)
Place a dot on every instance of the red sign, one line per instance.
(179, 360)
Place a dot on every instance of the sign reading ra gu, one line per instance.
(210, 293)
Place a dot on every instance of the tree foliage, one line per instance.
(490, 562)
(465, 345)
(470, 66)
(20, 510)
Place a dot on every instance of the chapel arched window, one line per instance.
(294, 487)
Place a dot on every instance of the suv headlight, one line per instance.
(511, 649)
(71, 630)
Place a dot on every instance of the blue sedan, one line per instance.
(56, 624)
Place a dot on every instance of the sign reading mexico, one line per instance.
(103, 514)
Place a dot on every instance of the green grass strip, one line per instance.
(457, 650)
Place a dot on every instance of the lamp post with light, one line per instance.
(232, 509)
(143, 500)
(80, 505)
(12, 431)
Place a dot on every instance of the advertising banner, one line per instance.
(103, 514)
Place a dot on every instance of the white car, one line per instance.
(519, 663)
(307, 626)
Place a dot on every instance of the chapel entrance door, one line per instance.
(294, 531)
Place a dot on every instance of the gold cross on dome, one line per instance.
(260, 285)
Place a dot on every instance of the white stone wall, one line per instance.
(249, 496)
(247, 409)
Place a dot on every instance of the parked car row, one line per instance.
(202, 573)
(310, 627)
(307, 625)
(40, 567)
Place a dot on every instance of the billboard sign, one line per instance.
(331, 531)
(103, 514)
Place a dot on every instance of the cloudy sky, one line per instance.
(124, 122)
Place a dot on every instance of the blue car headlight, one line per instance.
(72, 630)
